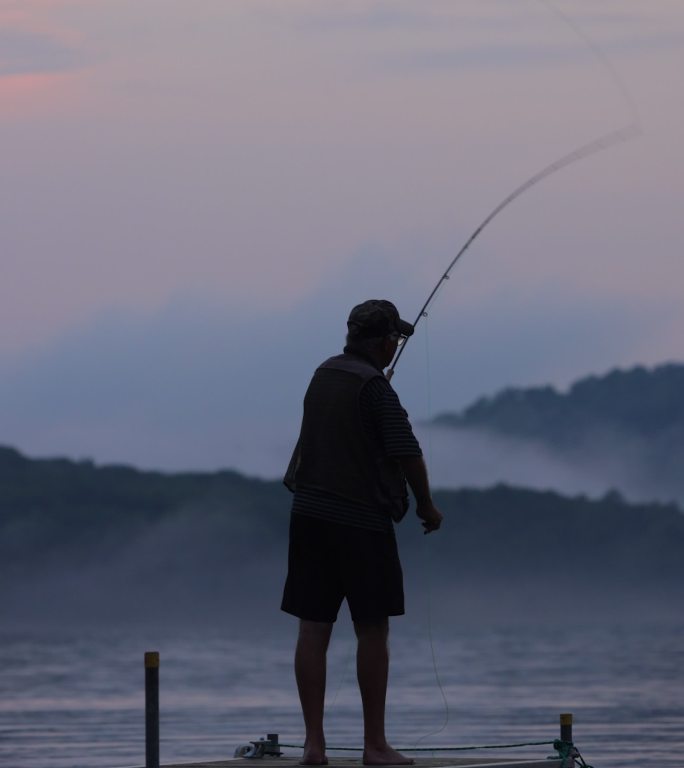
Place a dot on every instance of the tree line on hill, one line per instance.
(96, 542)
(641, 402)
(630, 424)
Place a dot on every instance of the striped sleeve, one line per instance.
(385, 419)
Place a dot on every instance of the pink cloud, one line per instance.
(42, 58)
(33, 94)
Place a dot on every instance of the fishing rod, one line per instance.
(605, 141)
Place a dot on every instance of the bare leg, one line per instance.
(372, 667)
(310, 661)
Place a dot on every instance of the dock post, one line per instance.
(151, 709)
(566, 727)
(564, 746)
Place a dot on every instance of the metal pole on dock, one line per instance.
(566, 727)
(151, 709)
(566, 749)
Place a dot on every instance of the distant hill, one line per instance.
(633, 418)
(640, 402)
(79, 541)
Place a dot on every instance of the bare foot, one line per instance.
(314, 754)
(384, 756)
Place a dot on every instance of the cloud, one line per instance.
(515, 36)
(29, 53)
(199, 385)
(252, 171)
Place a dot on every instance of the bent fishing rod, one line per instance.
(605, 141)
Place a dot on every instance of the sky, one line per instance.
(194, 194)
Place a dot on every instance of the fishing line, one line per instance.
(602, 142)
(430, 580)
(428, 387)
(428, 568)
(345, 670)
(635, 119)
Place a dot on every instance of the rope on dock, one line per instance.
(436, 749)
(566, 749)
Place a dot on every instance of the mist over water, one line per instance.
(601, 463)
(477, 458)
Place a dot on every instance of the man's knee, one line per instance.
(315, 632)
(372, 628)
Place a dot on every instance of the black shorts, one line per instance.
(329, 562)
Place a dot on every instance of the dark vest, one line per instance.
(334, 453)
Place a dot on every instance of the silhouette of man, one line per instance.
(355, 454)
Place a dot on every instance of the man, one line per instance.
(355, 453)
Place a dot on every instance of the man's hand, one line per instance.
(416, 476)
(430, 515)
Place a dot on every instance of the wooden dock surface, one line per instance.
(347, 762)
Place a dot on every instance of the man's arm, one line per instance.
(416, 476)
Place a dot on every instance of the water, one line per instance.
(72, 699)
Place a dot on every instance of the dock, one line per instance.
(268, 752)
(348, 762)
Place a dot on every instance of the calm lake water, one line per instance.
(72, 699)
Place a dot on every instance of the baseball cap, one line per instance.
(376, 318)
